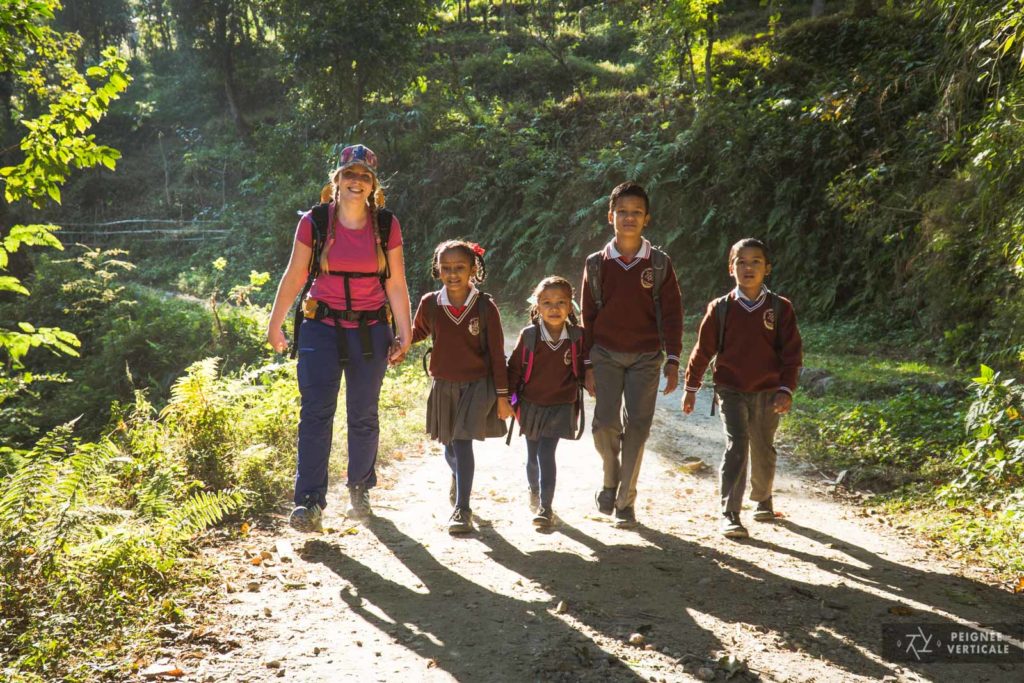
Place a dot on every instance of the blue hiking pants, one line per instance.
(319, 374)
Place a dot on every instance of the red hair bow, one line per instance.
(477, 249)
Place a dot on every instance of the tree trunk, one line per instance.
(817, 8)
(225, 44)
(709, 84)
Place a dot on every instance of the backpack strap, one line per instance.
(777, 313)
(593, 267)
(384, 220)
(530, 337)
(431, 310)
(482, 312)
(659, 261)
(319, 217)
(721, 308)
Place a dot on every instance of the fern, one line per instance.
(202, 510)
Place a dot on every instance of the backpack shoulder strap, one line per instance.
(384, 217)
(483, 311)
(659, 261)
(721, 310)
(531, 335)
(777, 314)
(594, 262)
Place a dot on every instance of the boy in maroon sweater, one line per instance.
(757, 357)
(632, 319)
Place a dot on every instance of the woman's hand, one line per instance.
(504, 408)
(397, 351)
(277, 340)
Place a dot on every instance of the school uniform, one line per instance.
(760, 357)
(622, 345)
(547, 405)
(466, 383)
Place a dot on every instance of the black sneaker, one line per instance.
(764, 511)
(452, 492)
(625, 518)
(306, 518)
(732, 527)
(544, 517)
(461, 521)
(359, 502)
(605, 501)
(534, 499)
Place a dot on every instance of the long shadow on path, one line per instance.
(468, 630)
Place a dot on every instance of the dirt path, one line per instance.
(401, 600)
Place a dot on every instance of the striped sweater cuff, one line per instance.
(787, 390)
(693, 389)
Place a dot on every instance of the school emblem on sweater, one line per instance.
(769, 319)
(474, 326)
(567, 357)
(647, 278)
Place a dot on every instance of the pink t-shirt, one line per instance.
(353, 251)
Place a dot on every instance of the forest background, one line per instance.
(875, 147)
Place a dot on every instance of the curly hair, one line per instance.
(467, 248)
(552, 282)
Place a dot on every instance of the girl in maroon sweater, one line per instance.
(469, 393)
(545, 371)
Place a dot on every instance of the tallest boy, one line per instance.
(632, 315)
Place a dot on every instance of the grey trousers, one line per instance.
(750, 424)
(620, 432)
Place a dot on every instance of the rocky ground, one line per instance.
(398, 599)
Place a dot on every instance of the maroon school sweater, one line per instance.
(457, 355)
(749, 361)
(552, 380)
(626, 321)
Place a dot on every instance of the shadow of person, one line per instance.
(839, 621)
(472, 631)
(619, 589)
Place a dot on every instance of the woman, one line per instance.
(359, 273)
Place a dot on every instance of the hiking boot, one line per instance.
(732, 527)
(306, 518)
(534, 499)
(359, 502)
(764, 511)
(461, 521)
(625, 518)
(605, 501)
(452, 492)
(544, 517)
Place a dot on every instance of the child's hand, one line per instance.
(671, 378)
(782, 402)
(397, 351)
(588, 382)
(504, 408)
(689, 400)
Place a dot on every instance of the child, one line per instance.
(752, 335)
(632, 314)
(544, 369)
(469, 393)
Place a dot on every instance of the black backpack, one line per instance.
(321, 219)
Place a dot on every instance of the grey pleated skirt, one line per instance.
(536, 421)
(463, 410)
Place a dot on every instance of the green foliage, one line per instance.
(993, 457)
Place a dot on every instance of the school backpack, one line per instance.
(660, 263)
(531, 338)
(721, 308)
(320, 218)
(481, 300)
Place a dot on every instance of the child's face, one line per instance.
(554, 305)
(749, 268)
(629, 216)
(455, 269)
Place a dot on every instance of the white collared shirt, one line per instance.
(445, 301)
(748, 304)
(612, 252)
(549, 340)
